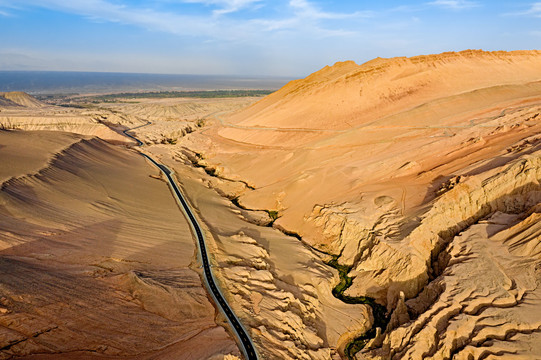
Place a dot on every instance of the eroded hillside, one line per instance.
(382, 165)
(96, 259)
(21, 111)
(386, 210)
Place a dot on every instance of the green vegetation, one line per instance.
(54, 97)
(77, 106)
(380, 312)
(176, 94)
(345, 280)
(273, 214)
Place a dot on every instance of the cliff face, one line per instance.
(477, 278)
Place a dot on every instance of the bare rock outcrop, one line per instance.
(352, 230)
(386, 266)
(286, 318)
(485, 298)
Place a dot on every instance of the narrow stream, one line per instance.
(379, 311)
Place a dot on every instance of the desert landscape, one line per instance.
(388, 210)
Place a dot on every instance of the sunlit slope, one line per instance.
(322, 140)
(421, 175)
(346, 95)
(19, 98)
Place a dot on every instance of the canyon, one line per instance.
(388, 210)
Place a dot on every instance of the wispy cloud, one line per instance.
(215, 24)
(454, 4)
(534, 10)
(409, 8)
(305, 9)
(227, 6)
(311, 19)
(148, 18)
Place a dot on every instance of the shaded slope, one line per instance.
(94, 250)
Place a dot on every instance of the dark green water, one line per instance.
(380, 312)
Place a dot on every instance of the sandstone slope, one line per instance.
(96, 259)
(348, 95)
(383, 164)
(19, 98)
(277, 286)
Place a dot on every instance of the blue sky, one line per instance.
(251, 37)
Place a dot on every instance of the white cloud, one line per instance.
(144, 17)
(534, 10)
(278, 24)
(305, 9)
(227, 6)
(408, 8)
(307, 17)
(454, 4)
(304, 17)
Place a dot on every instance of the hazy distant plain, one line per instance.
(41, 82)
